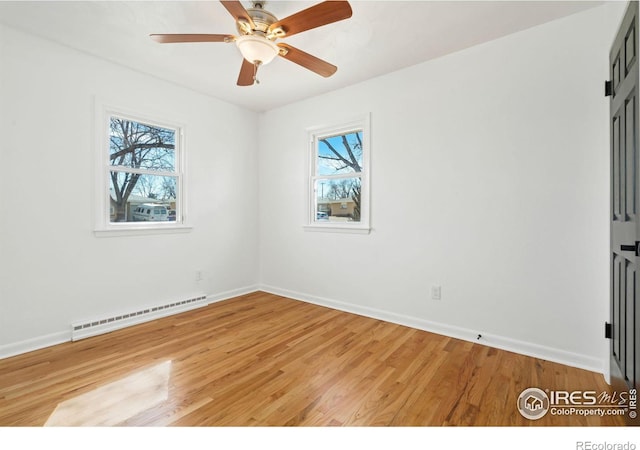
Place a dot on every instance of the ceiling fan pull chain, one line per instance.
(255, 73)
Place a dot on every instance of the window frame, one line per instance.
(102, 198)
(314, 134)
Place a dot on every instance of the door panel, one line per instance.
(630, 47)
(617, 284)
(617, 173)
(627, 322)
(630, 163)
(625, 224)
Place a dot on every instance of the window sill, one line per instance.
(356, 229)
(142, 230)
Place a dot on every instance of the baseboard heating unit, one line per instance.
(87, 328)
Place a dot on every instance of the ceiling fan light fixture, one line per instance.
(258, 30)
(257, 48)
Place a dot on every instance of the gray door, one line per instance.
(625, 193)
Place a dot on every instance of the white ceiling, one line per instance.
(380, 37)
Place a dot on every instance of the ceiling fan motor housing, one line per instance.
(262, 20)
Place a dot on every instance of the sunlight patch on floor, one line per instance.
(115, 402)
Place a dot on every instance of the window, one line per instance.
(339, 177)
(142, 174)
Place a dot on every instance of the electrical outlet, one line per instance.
(436, 292)
(198, 275)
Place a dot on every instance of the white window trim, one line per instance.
(313, 134)
(103, 227)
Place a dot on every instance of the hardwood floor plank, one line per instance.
(265, 360)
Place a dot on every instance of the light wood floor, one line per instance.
(266, 360)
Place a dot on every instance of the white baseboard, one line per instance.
(504, 343)
(213, 298)
(525, 348)
(40, 342)
(37, 343)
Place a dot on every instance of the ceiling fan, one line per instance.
(258, 30)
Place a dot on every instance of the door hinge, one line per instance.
(608, 88)
(607, 330)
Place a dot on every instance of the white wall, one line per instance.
(490, 177)
(53, 270)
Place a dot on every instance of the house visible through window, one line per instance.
(143, 172)
(338, 176)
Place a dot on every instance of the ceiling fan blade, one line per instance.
(175, 38)
(247, 72)
(316, 16)
(308, 61)
(238, 12)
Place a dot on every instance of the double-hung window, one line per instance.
(339, 177)
(142, 174)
